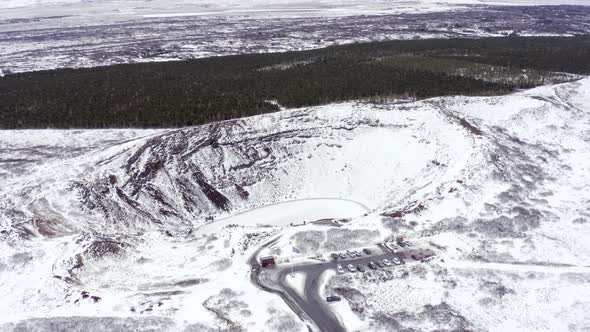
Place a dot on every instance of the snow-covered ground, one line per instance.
(297, 282)
(53, 34)
(133, 7)
(113, 230)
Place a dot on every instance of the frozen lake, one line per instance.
(296, 212)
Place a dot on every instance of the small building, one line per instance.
(423, 255)
(267, 261)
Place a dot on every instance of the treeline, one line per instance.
(198, 91)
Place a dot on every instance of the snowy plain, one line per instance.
(71, 34)
(135, 7)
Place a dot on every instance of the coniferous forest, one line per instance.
(183, 93)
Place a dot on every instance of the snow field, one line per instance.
(504, 211)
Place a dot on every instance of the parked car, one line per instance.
(333, 298)
(334, 255)
(372, 266)
(339, 268)
(351, 268)
(396, 261)
(357, 253)
(390, 246)
(360, 268)
(381, 265)
(342, 255)
(350, 253)
(386, 262)
(405, 244)
(367, 251)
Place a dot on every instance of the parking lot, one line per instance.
(359, 260)
(370, 258)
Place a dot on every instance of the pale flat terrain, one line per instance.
(39, 35)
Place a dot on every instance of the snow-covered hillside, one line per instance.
(117, 228)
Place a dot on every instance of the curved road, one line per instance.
(255, 278)
(311, 308)
(312, 304)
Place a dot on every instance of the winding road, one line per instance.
(311, 308)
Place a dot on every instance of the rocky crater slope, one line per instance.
(88, 219)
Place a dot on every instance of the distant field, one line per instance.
(172, 94)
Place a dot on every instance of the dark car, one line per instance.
(334, 255)
(360, 268)
(333, 298)
(372, 266)
(381, 265)
(367, 251)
